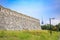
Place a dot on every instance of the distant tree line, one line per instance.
(53, 27)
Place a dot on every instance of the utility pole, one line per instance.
(50, 25)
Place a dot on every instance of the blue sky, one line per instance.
(36, 8)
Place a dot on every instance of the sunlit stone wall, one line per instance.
(12, 20)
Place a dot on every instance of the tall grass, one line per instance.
(28, 35)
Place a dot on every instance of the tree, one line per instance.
(47, 27)
(58, 27)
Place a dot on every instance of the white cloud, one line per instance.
(53, 22)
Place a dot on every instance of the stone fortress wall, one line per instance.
(12, 20)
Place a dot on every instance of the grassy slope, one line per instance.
(28, 35)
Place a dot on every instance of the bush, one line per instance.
(2, 33)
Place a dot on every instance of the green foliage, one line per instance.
(58, 27)
(47, 27)
(2, 33)
(53, 28)
(28, 35)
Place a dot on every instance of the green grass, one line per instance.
(28, 35)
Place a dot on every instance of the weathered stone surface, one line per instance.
(11, 20)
